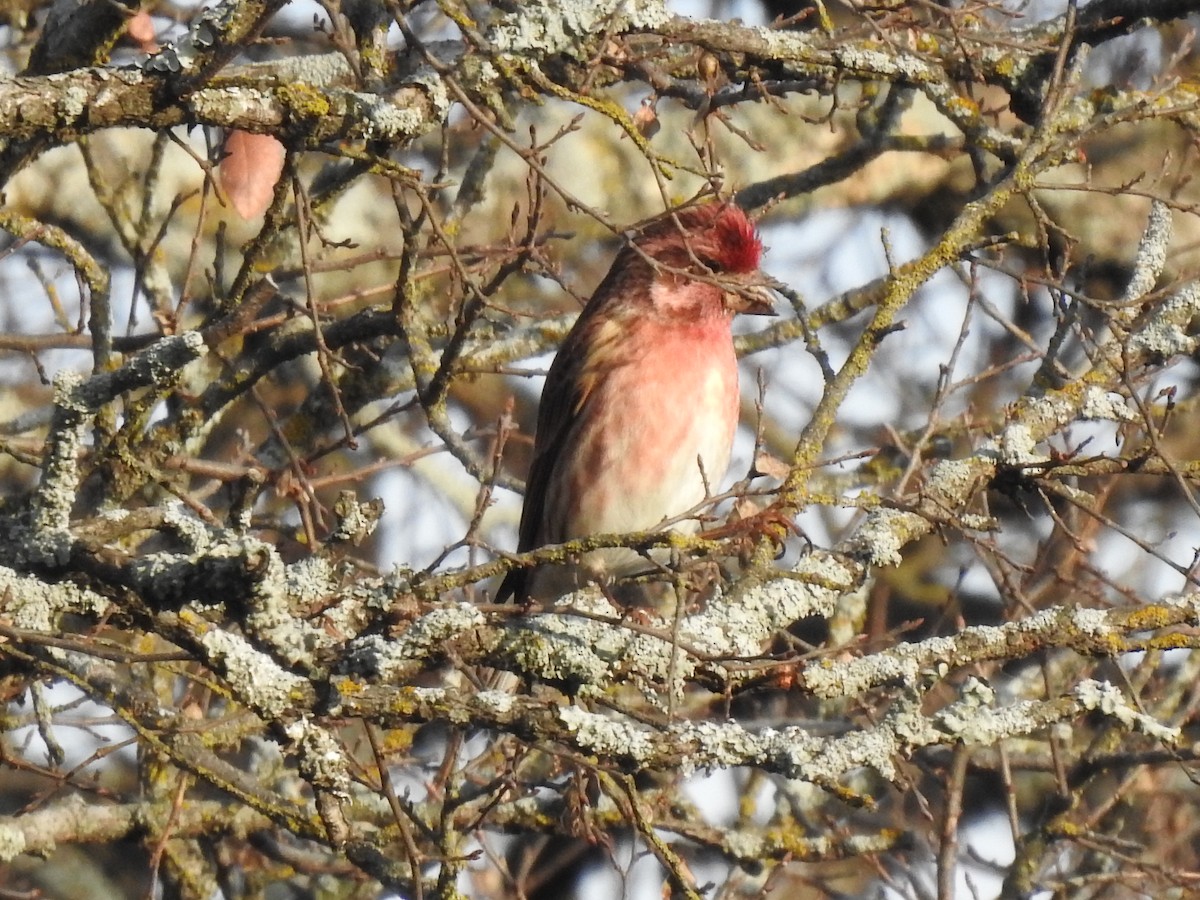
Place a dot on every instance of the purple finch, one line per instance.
(640, 407)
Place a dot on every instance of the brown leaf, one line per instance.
(771, 466)
(249, 171)
(744, 508)
(646, 120)
(140, 29)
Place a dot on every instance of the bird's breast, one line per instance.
(655, 434)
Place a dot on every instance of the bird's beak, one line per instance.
(752, 298)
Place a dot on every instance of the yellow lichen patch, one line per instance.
(1150, 618)
(304, 101)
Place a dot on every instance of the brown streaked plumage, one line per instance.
(640, 406)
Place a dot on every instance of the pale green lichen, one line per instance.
(12, 841)
(983, 726)
(187, 526)
(1103, 697)
(32, 604)
(388, 659)
(1017, 443)
(725, 745)
(950, 480)
(271, 617)
(956, 718)
(1151, 257)
(1189, 601)
(820, 760)
(1104, 405)
(321, 759)
(1090, 621)
(74, 101)
(262, 684)
(497, 703)
(540, 28)
(564, 648)
(1049, 412)
(234, 102)
(435, 627)
(310, 579)
(977, 522)
(436, 94)
(886, 62)
(1164, 333)
(318, 70)
(382, 120)
(605, 736)
(885, 532)
(1164, 339)
(905, 662)
(60, 471)
(902, 663)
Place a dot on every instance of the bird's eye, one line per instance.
(710, 263)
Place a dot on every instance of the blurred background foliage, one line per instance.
(458, 258)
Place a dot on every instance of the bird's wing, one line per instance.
(569, 383)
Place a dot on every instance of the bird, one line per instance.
(638, 414)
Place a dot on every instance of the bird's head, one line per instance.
(704, 261)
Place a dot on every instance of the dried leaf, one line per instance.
(251, 167)
(771, 466)
(140, 29)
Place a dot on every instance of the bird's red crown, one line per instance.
(738, 242)
(719, 233)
